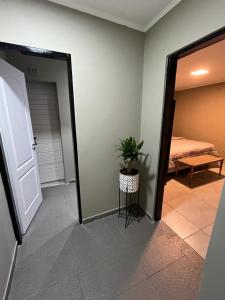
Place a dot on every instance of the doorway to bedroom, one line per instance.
(196, 171)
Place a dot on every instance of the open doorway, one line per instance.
(191, 169)
(40, 159)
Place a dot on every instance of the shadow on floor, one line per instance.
(199, 179)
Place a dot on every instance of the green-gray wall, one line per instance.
(188, 21)
(107, 62)
(214, 270)
(7, 241)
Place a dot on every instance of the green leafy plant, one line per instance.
(129, 150)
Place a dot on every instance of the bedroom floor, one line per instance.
(191, 211)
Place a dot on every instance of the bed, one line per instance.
(181, 147)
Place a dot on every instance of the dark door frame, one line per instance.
(168, 110)
(32, 51)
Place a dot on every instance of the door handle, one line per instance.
(34, 145)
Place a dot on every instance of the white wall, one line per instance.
(187, 22)
(107, 62)
(50, 70)
(7, 242)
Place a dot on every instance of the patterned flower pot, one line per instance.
(129, 182)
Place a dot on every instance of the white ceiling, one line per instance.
(210, 58)
(137, 14)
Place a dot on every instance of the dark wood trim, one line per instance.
(32, 51)
(9, 195)
(166, 133)
(168, 110)
(73, 122)
(203, 42)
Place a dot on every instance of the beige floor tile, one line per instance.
(190, 212)
(196, 211)
(174, 189)
(199, 241)
(166, 210)
(208, 229)
(182, 200)
(180, 225)
(210, 194)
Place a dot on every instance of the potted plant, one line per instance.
(129, 150)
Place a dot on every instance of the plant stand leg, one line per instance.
(130, 205)
(126, 223)
(138, 216)
(119, 204)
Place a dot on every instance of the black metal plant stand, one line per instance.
(132, 208)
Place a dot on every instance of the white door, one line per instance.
(17, 137)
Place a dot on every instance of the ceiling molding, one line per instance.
(102, 15)
(163, 12)
(120, 21)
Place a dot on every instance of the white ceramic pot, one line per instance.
(129, 182)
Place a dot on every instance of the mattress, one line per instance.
(181, 147)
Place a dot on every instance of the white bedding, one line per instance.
(181, 147)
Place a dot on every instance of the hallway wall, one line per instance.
(8, 242)
(107, 61)
(186, 23)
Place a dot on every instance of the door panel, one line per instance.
(17, 138)
(16, 113)
(29, 187)
(44, 111)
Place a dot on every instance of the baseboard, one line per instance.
(57, 183)
(112, 212)
(10, 276)
(149, 216)
(102, 215)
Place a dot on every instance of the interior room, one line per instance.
(120, 58)
(47, 90)
(190, 204)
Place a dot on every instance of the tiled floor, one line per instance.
(191, 211)
(60, 260)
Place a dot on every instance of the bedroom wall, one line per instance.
(107, 65)
(200, 114)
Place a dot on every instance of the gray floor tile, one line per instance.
(102, 259)
(160, 253)
(30, 278)
(111, 278)
(179, 281)
(67, 291)
(143, 291)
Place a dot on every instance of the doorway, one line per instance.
(49, 89)
(208, 183)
